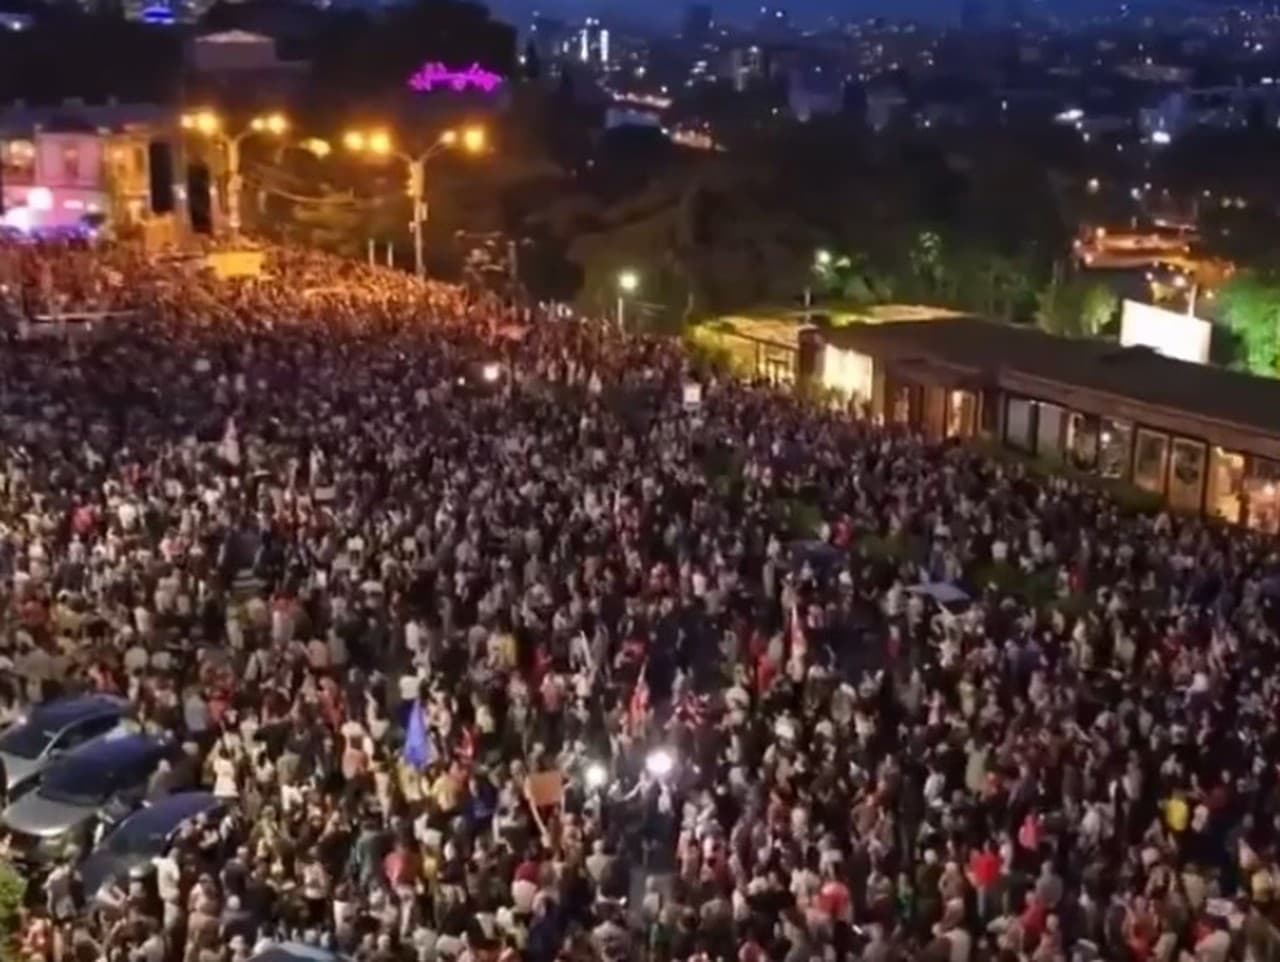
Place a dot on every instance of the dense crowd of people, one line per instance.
(495, 647)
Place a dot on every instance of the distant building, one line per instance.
(593, 44)
(238, 61)
(75, 164)
(746, 66)
(814, 92)
(550, 37)
(886, 102)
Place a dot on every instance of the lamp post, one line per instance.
(208, 124)
(628, 284)
(1193, 292)
(378, 143)
(821, 265)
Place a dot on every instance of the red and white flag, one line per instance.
(638, 709)
(797, 642)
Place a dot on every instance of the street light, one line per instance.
(208, 124)
(628, 284)
(378, 143)
(317, 147)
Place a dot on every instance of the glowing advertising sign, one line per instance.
(1165, 332)
(436, 76)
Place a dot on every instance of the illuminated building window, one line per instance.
(1050, 430)
(1115, 447)
(962, 410)
(1151, 461)
(1262, 494)
(1186, 475)
(1082, 441)
(1225, 498)
(1017, 424)
(71, 163)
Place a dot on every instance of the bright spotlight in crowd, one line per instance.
(659, 763)
(491, 372)
(596, 775)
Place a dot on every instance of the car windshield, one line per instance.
(138, 834)
(27, 740)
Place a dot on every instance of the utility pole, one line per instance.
(417, 197)
(235, 184)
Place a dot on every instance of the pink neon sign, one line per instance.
(433, 76)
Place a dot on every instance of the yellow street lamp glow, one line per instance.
(823, 258)
(449, 137)
(474, 139)
(202, 121)
(628, 282)
(270, 124)
(317, 147)
(380, 142)
(353, 140)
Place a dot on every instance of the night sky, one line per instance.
(804, 13)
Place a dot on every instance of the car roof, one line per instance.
(171, 811)
(104, 754)
(294, 952)
(67, 711)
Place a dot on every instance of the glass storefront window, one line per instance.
(1226, 485)
(1017, 424)
(1115, 441)
(1049, 432)
(901, 409)
(1262, 489)
(990, 413)
(962, 409)
(1186, 475)
(1150, 461)
(1082, 441)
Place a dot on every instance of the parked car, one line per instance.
(141, 837)
(99, 782)
(28, 747)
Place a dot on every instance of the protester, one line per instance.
(492, 648)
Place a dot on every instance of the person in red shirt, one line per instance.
(833, 900)
(984, 876)
(1032, 921)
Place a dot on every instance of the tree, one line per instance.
(1099, 307)
(1250, 306)
(1075, 307)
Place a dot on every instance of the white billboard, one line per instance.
(1170, 333)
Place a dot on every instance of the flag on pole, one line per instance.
(638, 708)
(798, 643)
(418, 750)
